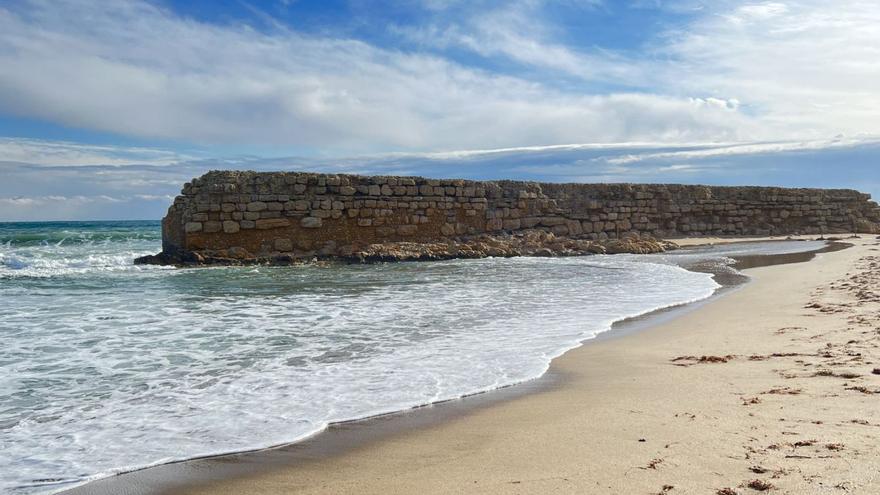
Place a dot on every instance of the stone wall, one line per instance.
(306, 214)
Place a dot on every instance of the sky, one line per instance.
(107, 108)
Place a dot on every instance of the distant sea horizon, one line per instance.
(156, 220)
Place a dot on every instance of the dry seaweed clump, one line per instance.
(760, 485)
(691, 360)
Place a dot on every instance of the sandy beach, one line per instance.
(769, 386)
(772, 387)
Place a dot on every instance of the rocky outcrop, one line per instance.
(504, 245)
(243, 217)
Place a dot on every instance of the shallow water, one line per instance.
(106, 366)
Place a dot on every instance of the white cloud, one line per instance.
(759, 11)
(741, 72)
(65, 153)
(789, 70)
(806, 69)
(515, 30)
(709, 151)
(133, 68)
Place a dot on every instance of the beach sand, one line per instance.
(774, 386)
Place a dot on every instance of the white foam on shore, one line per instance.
(103, 371)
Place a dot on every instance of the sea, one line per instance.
(108, 367)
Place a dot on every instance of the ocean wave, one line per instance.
(64, 249)
(59, 239)
(34, 265)
(138, 369)
(107, 367)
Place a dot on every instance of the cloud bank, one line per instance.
(736, 72)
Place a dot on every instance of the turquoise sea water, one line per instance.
(106, 366)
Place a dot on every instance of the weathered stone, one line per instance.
(283, 245)
(511, 224)
(272, 223)
(530, 222)
(231, 227)
(220, 201)
(494, 224)
(552, 221)
(256, 206)
(239, 253)
(559, 229)
(407, 230)
(310, 223)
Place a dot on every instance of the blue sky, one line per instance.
(106, 108)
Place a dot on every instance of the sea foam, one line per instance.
(105, 367)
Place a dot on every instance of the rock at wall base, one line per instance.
(540, 243)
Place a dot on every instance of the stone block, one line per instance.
(256, 206)
(212, 227)
(310, 222)
(192, 227)
(552, 221)
(559, 230)
(283, 245)
(511, 224)
(529, 222)
(231, 227)
(407, 230)
(272, 223)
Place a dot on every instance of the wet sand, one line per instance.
(771, 402)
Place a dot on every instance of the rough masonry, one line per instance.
(245, 215)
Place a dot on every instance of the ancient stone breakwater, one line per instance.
(228, 215)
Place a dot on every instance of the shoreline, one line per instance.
(761, 409)
(341, 437)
